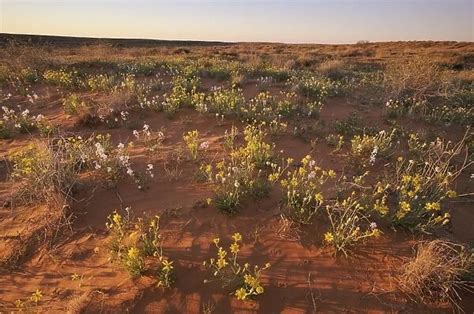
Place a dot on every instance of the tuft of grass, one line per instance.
(439, 271)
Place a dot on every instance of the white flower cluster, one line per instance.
(22, 118)
(146, 132)
(373, 155)
(32, 98)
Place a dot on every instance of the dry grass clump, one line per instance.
(438, 272)
(418, 77)
(334, 69)
(44, 170)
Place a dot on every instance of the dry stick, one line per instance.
(117, 193)
(311, 292)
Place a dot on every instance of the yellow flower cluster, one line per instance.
(303, 189)
(420, 188)
(227, 269)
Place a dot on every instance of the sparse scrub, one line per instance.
(63, 78)
(350, 224)
(195, 147)
(335, 141)
(333, 69)
(421, 186)
(368, 148)
(304, 195)
(134, 240)
(224, 101)
(44, 171)
(241, 175)
(352, 125)
(418, 77)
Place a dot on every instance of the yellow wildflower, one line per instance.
(328, 237)
(237, 237)
(404, 206)
(433, 206)
(36, 296)
(451, 194)
(234, 248)
(241, 294)
(117, 219)
(133, 253)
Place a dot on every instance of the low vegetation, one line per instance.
(330, 161)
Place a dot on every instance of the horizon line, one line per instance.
(217, 41)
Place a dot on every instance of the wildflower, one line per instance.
(234, 248)
(136, 134)
(328, 237)
(376, 233)
(19, 304)
(373, 154)
(241, 294)
(405, 206)
(120, 146)
(117, 219)
(433, 206)
(36, 296)
(130, 172)
(451, 194)
(237, 237)
(221, 263)
(373, 225)
(319, 198)
(204, 145)
(167, 265)
(216, 241)
(331, 173)
(133, 253)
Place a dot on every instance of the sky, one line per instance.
(336, 21)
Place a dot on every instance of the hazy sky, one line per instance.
(336, 21)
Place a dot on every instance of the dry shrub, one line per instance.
(418, 77)
(18, 56)
(334, 69)
(116, 101)
(96, 51)
(462, 78)
(44, 171)
(354, 51)
(79, 303)
(438, 272)
(287, 229)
